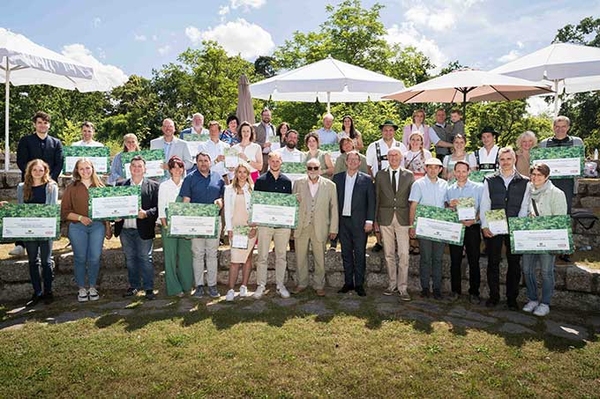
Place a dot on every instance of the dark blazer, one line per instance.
(389, 203)
(146, 226)
(363, 198)
(50, 150)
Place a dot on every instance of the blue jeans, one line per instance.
(87, 244)
(547, 268)
(431, 263)
(138, 256)
(44, 249)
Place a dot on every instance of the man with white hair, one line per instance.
(197, 126)
(326, 134)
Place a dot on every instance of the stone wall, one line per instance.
(576, 287)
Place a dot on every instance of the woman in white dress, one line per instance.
(249, 151)
(415, 157)
(458, 154)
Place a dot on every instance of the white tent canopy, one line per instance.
(328, 81)
(23, 62)
(571, 68)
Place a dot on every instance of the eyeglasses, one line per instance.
(314, 168)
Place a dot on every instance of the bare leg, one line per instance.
(234, 270)
(246, 270)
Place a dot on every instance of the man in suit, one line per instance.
(137, 235)
(171, 145)
(265, 135)
(392, 188)
(317, 223)
(356, 207)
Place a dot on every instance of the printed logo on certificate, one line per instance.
(110, 203)
(497, 222)
(562, 161)
(273, 209)
(541, 234)
(29, 222)
(438, 224)
(189, 220)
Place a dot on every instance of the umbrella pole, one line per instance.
(6, 107)
(556, 99)
(328, 102)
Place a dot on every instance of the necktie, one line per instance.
(394, 185)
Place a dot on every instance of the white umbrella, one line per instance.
(566, 65)
(469, 86)
(328, 81)
(23, 62)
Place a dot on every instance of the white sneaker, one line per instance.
(230, 296)
(243, 291)
(260, 290)
(542, 310)
(530, 306)
(83, 295)
(283, 292)
(93, 294)
(18, 250)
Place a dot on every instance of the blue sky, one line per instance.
(132, 36)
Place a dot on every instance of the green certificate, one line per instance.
(109, 203)
(232, 157)
(541, 234)
(333, 150)
(562, 161)
(99, 157)
(193, 140)
(29, 222)
(154, 161)
(274, 209)
(294, 170)
(189, 220)
(496, 220)
(438, 224)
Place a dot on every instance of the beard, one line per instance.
(289, 145)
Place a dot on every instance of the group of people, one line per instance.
(346, 200)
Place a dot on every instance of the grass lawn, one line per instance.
(282, 351)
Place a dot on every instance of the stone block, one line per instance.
(374, 280)
(576, 300)
(578, 279)
(590, 202)
(8, 194)
(12, 178)
(14, 271)
(593, 187)
(15, 292)
(335, 279)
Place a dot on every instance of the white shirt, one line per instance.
(252, 151)
(348, 191)
(91, 143)
(313, 187)
(290, 156)
(167, 193)
(214, 150)
(372, 154)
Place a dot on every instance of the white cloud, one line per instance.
(96, 22)
(239, 37)
(108, 75)
(440, 20)
(164, 49)
(223, 10)
(512, 55)
(154, 38)
(520, 44)
(139, 38)
(247, 4)
(406, 35)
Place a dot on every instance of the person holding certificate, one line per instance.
(464, 197)
(39, 188)
(312, 143)
(429, 190)
(86, 235)
(171, 146)
(317, 223)
(506, 189)
(249, 151)
(130, 144)
(272, 181)
(546, 200)
(137, 235)
(179, 275)
(203, 186)
(241, 237)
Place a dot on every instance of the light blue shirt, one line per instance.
(327, 136)
(470, 190)
(426, 192)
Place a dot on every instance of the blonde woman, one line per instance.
(39, 188)
(130, 143)
(525, 142)
(418, 125)
(237, 207)
(249, 151)
(458, 154)
(415, 157)
(86, 235)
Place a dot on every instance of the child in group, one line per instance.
(458, 126)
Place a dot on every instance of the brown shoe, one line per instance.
(320, 292)
(297, 289)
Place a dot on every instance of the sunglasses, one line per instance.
(314, 168)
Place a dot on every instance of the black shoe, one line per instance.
(377, 247)
(150, 295)
(360, 291)
(345, 289)
(48, 298)
(491, 303)
(565, 258)
(35, 299)
(437, 295)
(424, 293)
(130, 292)
(474, 299)
(512, 304)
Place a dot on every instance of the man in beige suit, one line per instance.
(317, 224)
(392, 188)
